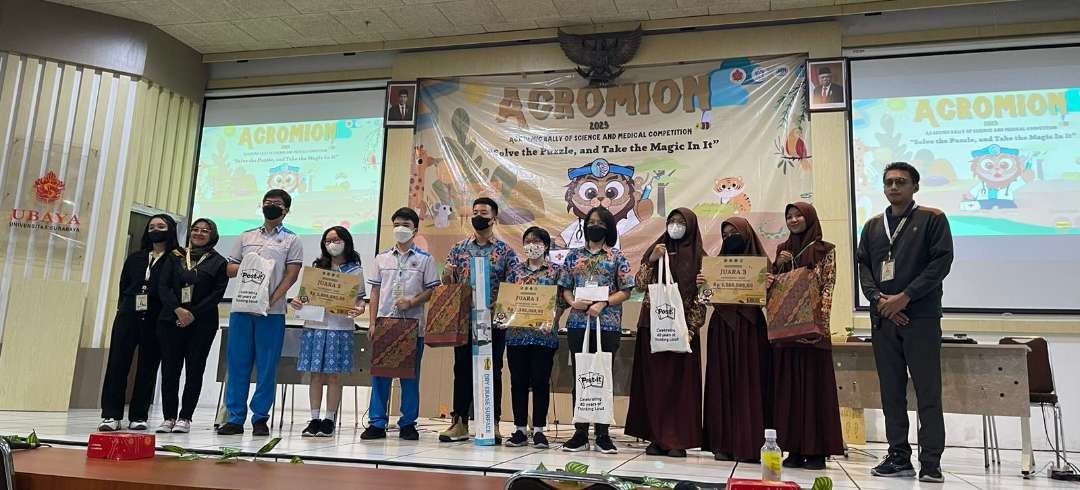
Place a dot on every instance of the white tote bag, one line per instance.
(253, 293)
(595, 403)
(667, 321)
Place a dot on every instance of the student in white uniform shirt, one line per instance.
(326, 347)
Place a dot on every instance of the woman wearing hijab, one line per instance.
(191, 285)
(137, 312)
(738, 375)
(665, 390)
(806, 411)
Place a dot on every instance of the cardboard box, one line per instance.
(121, 446)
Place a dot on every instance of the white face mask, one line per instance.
(534, 250)
(402, 234)
(676, 231)
(335, 249)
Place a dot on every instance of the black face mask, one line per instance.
(157, 236)
(480, 223)
(272, 212)
(595, 233)
(733, 245)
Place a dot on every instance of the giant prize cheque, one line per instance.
(735, 280)
(525, 306)
(333, 291)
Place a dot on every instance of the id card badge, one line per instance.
(142, 302)
(888, 270)
(399, 289)
(185, 294)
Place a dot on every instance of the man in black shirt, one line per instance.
(904, 255)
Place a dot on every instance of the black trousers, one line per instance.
(131, 330)
(575, 338)
(184, 349)
(530, 368)
(463, 378)
(915, 348)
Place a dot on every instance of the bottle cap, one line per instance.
(770, 433)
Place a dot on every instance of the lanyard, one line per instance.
(899, 227)
(150, 265)
(201, 259)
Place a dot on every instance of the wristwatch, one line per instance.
(874, 298)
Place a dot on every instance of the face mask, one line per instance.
(733, 245)
(676, 231)
(402, 234)
(595, 233)
(158, 236)
(272, 212)
(335, 249)
(480, 223)
(534, 250)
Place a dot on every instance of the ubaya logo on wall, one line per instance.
(48, 189)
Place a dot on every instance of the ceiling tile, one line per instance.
(311, 41)
(317, 6)
(317, 26)
(637, 5)
(456, 30)
(620, 17)
(268, 29)
(418, 18)
(511, 26)
(399, 35)
(218, 33)
(362, 21)
(213, 10)
(254, 9)
(471, 12)
(164, 12)
(359, 37)
(181, 33)
(574, 8)
(577, 20)
(738, 6)
(421, 2)
(678, 13)
(530, 10)
(797, 4)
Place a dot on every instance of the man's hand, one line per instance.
(597, 308)
(403, 304)
(183, 317)
(900, 319)
(891, 304)
(296, 304)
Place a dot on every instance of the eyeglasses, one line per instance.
(900, 182)
(201, 230)
(331, 242)
(273, 203)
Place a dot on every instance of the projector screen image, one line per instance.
(325, 149)
(1004, 165)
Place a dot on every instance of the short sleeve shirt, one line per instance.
(501, 260)
(607, 267)
(399, 274)
(280, 245)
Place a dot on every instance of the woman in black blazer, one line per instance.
(192, 284)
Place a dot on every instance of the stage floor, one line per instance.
(963, 466)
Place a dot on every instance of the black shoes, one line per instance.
(677, 453)
(895, 466)
(816, 463)
(409, 433)
(517, 439)
(326, 428)
(260, 429)
(605, 445)
(373, 432)
(931, 475)
(723, 456)
(540, 441)
(312, 429)
(654, 449)
(230, 429)
(580, 442)
(794, 460)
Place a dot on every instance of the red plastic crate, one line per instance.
(121, 446)
(744, 484)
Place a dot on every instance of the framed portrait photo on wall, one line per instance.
(400, 105)
(829, 88)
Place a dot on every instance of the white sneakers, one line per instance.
(109, 425)
(138, 425)
(166, 427)
(182, 427)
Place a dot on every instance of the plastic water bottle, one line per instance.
(770, 457)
